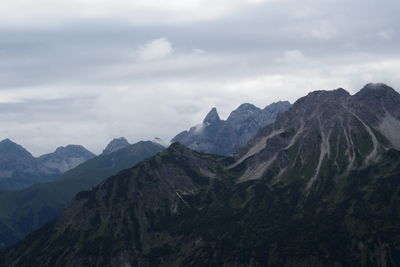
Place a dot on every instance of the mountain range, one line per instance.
(318, 187)
(26, 210)
(224, 137)
(19, 169)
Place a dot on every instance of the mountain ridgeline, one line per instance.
(19, 169)
(318, 187)
(24, 211)
(224, 137)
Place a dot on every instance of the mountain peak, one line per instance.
(247, 106)
(8, 146)
(376, 86)
(224, 137)
(7, 141)
(242, 112)
(116, 144)
(73, 150)
(340, 92)
(376, 90)
(212, 116)
(64, 158)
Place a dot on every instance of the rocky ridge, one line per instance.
(224, 137)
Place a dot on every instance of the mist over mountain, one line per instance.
(225, 137)
(116, 144)
(318, 187)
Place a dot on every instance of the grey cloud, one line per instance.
(79, 82)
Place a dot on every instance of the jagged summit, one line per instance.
(212, 117)
(223, 137)
(115, 144)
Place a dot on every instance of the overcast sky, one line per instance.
(86, 71)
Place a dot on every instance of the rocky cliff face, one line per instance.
(319, 187)
(225, 137)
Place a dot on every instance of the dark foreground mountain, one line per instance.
(319, 187)
(19, 169)
(24, 211)
(224, 137)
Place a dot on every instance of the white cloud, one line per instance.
(143, 109)
(155, 49)
(386, 35)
